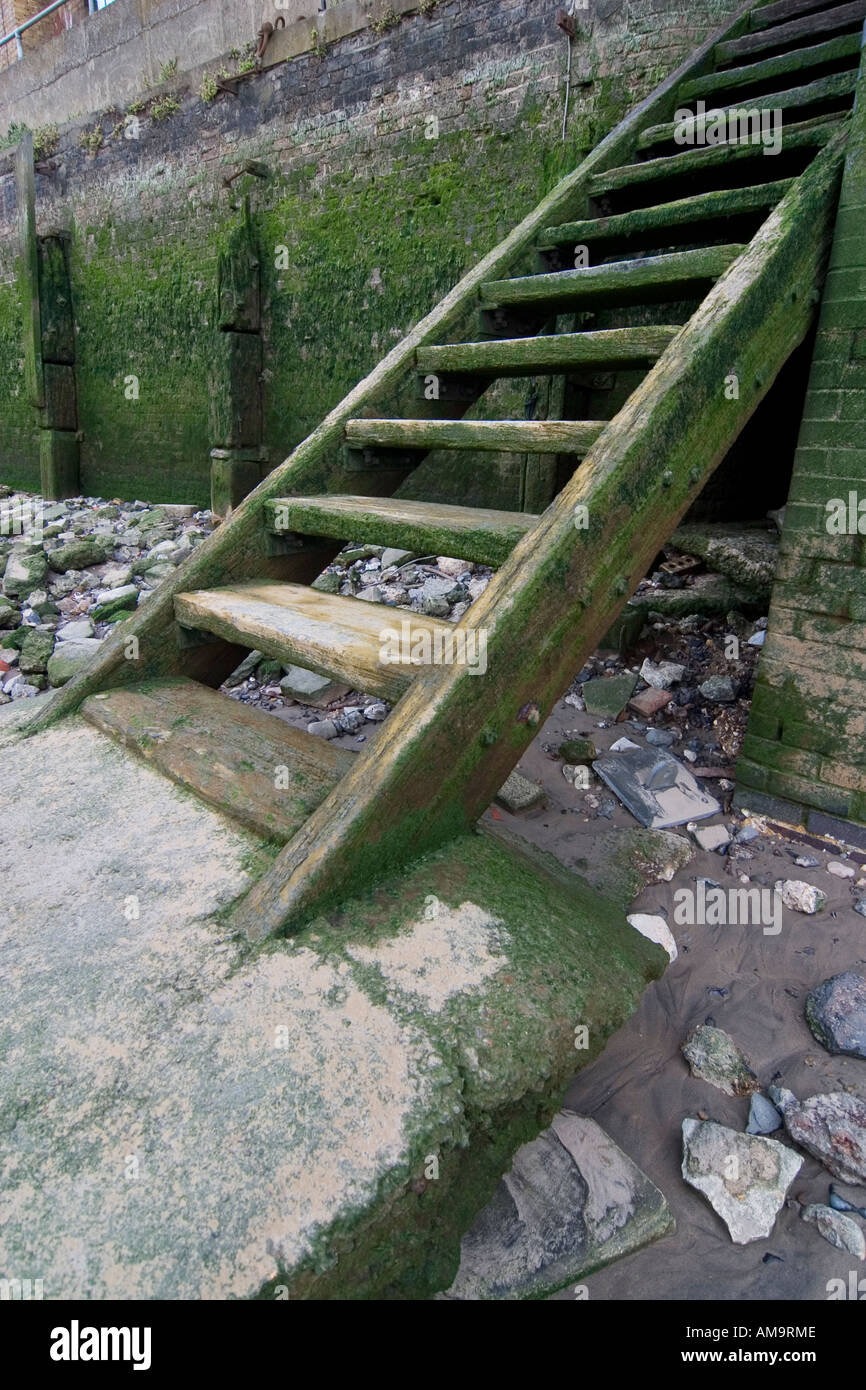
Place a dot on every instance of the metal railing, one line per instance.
(92, 6)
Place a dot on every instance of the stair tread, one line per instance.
(550, 352)
(224, 751)
(780, 13)
(680, 212)
(520, 436)
(470, 533)
(821, 22)
(834, 87)
(808, 134)
(617, 281)
(769, 69)
(327, 633)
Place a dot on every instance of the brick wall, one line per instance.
(804, 757)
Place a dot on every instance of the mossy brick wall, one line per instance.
(804, 756)
(377, 219)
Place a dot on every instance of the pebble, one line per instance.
(799, 896)
(323, 728)
(839, 1230)
(841, 870)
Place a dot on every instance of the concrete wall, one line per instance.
(378, 219)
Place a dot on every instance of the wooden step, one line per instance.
(510, 436)
(771, 69)
(428, 528)
(811, 135)
(798, 30)
(766, 15)
(609, 348)
(665, 217)
(826, 89)
(669, 277)
(339, 637)
(226, 752)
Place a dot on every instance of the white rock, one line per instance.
(840, 1230)
(799, 896)
(654, 928)
(841, 870)
(663, 675)
(622, 744)
(711, 837)
(743, 1177)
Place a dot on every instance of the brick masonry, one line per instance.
(378, 219)
(804, 757)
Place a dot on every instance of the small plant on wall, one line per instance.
(91, 140)
(384, 19)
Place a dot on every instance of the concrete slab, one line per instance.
(186, 1117)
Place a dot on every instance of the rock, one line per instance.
(743, 1177)
(577, 775)
(719, 689)
(8, 613)
(178, 511)
(452, 567)
(711, 837)
(155, 574)
(327, 583)
(25, 571)
(578, 750)
(311, 688)
(69, 657)
(35, 651)
(660, 738)
(649, 702)
(77, 554)
(663, 675)
(746, 555)
(571, 1202)
(575, 702)
(714, 1057)
(758, 639)
(622, 744)
(860, 906)
(841, 870)
(392, 557)
(836, 1014)
(376, 712)
(350, 720)
(42, 605)
(115, 576)
(111, 601)
(764, 1118)
(244, 671)
(517, 793)
(841, 1231)
(654, 928)
(323, 728)
(608, 696)
(799, 896)
(76, 631)
(831, 1127)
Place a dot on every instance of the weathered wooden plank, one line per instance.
(766, 15)
(316, 465)
(619, 282)
(260, 770)
(610, 347)
(339, 637)
(519, 436)
(812, 136)
(430, 528)
(683, 212)
(770, 69)
(823, 22)
(453, 738)
(825, 89)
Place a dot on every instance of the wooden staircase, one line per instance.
(706, 265)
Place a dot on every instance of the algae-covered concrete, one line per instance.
(184, 1117)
